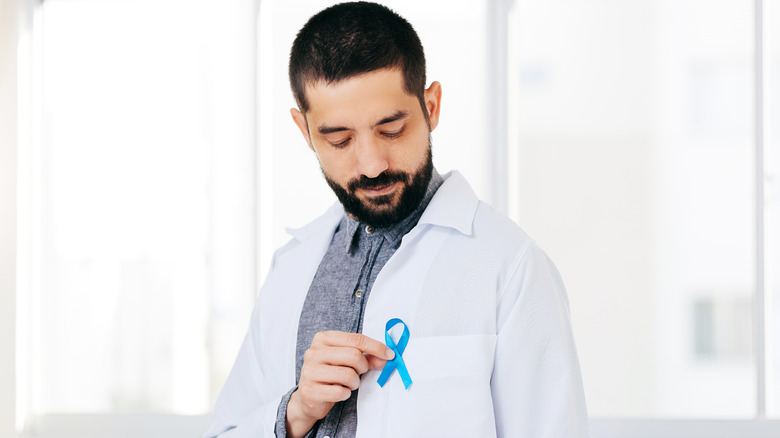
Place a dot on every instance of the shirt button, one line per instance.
(369, 229)
(358, 293)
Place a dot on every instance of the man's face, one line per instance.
(372, 140)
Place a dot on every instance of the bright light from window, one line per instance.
(636, 166)
(147, 203)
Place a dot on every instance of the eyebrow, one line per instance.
(324, 130)
(398, 115)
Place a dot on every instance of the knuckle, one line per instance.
(355, 383)
(309, 355)
(305, 381)
(359, 362)
(359, 341)
(304, 389)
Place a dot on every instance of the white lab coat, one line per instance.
(491, 350)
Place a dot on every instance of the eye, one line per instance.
(341, 144)
(393, 134)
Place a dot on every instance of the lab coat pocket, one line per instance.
(450, 394)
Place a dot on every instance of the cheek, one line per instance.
(336, 166)
(414, 154)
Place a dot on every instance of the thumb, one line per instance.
(375, 363)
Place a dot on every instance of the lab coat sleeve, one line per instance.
(536, 383)
(244, 408)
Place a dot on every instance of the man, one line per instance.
(410, 308)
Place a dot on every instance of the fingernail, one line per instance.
(389, 354)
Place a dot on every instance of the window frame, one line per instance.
(117, 425)
(10, 29)
(664, 428)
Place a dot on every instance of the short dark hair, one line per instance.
(350, 39)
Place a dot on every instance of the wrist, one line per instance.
(297, 422)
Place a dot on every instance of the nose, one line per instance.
(371, 158)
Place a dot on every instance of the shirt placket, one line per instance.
(369, 244)
(373, 244)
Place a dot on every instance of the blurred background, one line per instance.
(149, 167)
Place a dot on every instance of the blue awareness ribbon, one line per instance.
(397, 362)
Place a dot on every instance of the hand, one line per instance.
(331, 370)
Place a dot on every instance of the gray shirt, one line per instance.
(337, 300)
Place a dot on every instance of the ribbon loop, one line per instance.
(397, 362)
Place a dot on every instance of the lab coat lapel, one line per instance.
(396, 290)
(285, 290)
(399, 286)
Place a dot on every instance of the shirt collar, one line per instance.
(453, 205)
(394, 233)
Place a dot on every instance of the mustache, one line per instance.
(380, 180)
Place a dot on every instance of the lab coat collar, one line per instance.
(453, 206)
(328, 221)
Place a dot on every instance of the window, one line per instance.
(639, 166)
(139, 247)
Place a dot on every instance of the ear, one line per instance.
(432, 97)
(300, 121)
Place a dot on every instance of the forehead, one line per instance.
(362, 99)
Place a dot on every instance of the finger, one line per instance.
(336, 356)
(332, 375)
(375, 363)
(354, 340)
(313, 393)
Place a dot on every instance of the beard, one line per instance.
(385, 210)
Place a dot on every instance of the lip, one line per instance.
(380, 191)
